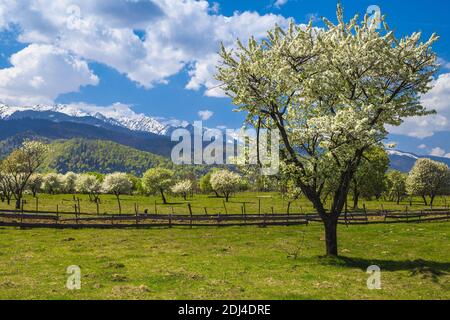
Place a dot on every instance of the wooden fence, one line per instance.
(76, 219)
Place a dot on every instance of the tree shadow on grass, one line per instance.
(419, 267)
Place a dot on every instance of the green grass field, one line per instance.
(265, 202)
(224, 263)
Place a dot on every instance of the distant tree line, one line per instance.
(19, 174)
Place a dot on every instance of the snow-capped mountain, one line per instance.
(404, 161)
(401, 154)
(116, 114)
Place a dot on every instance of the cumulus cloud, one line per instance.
(422, 146)
(147, 41)
(438, 152)
(205, 114)
(39, 73)
(438, 98)
(443, 63)
(280, 3)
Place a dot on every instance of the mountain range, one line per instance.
(86, 125)
(115, 115)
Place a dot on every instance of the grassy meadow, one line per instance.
(226, 263)
(223, 263)
(264, 202)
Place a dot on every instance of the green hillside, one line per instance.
(81, 155)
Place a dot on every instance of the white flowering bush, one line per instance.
(117, 183)
(158, 180)
(69, 181)
(52, 183)
(428, 178)
(225, 182)
(182, 188)
(90, 185)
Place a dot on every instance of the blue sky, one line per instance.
(158, 56)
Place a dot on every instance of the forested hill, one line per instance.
(82, 155)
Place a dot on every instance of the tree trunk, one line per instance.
(18, 204)
(355, 200)
(163, 196)
(425, 200)
(217, 194)
(432, 200)
(331, 237)
(227, 195)
(118, 201)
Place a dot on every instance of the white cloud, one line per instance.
(205, 114)
(173, 34)
(202, 74)
(422, 146)
(443, 63)
(438, 98)
(39, 73)
(438, 152)
(280, 3)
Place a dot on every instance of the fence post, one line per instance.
(136, 212)
(365, 212)
(156, 210)
(170, 221)
(206, 211)
(37, 204)
(259, 205)
(76, 213)
(57, 214)
(190, 214)
(79, 207)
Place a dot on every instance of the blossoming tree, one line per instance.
(21, 164)
(428, 178)
(117, 183)
(158, 180)
(330, 93)
(225, 182)
(182, 188)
